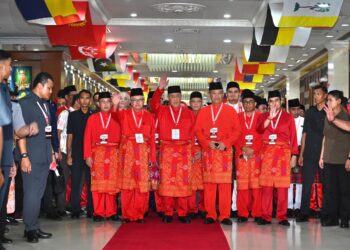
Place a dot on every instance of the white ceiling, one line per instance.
(146, 33)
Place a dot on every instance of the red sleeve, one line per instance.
(118, 115)
(153, 155)
(260, 125)
(199, 130)
(88, 138)
(235, 131)
(155, 102)
(293, 136)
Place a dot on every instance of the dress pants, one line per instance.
(249, 199)
(134, 204)
(4, 191)
(266, 203)
(159, 202)
(169, 205)
(34, 184)
(104, 204)
(78, 170)
(336, 190)
(61, 198)
(225, 190)
(192, 202)
(294, 198)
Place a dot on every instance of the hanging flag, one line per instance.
(135, 77)
(130, 69)
(255, 68)
(85, 52)
(255, 53)
(266, 33)
(306, 13)
(240, 77)
(78, 34)
(102, 65)
(123, 59)
(50, 12)
(247, 85)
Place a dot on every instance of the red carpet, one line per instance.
(154, 235)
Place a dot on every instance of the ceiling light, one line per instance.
(313, 48)
(133, 14)
(128, 63)
(305, 54)
(215, 71)
(134, 70)
(292, 58)
(329, 36)
(15, 60)
(35, 49)
(174, 71)
(277, 75)
(169, 40)
(284, 69)
(227, 16)
(290, 65)
(227, 41)
(345, 25)
(272, 78)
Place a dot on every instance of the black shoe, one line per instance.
(62, 213)
(330, 223)
(263, 222)
(167, 219)
(124, 221)
(234, 214)
(140, 221)
(193, 215)
(226, 221)
(98, 218)
(242, 219)
(160, 214)
(32, 236)
(113, 218)
(75, 215)
(89, 215)
(145, 215)
(297, 212)
(284, 223)
(290, 213)
(257, 219)
(11, 221)
(54, 216)
(343, 224)
(43, 235)
(202, 214)
(209, 221)
(5, 240)
(302, 218)
(184, 219)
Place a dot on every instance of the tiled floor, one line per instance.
(86, 235)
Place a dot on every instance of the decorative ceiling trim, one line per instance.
(179, 22)
(178, 7)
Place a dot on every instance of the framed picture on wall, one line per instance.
(21, 77)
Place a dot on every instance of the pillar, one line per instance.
(293, 85)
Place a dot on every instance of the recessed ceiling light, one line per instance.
(329, 36)
(277, 75)
(227, 16)
(272, 78)
(284, 69)
(133, 14)
(345, 25)
(292, 58)
(174, 71)
(313, 48)
(169, 40)
(290, 65)
(305, 54)
(35, 49)
(215, 71)
(227, 41)
(15, 60)
(134, 70)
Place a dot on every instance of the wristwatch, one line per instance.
(24, 155)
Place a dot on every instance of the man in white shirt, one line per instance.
(233, 94)
(295, 189)
(62, 122)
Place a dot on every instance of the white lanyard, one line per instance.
(44, 113)
(217, 114)
(138, 125)
(156, 123)
(172, 115)
(103, 124)
(278, 119)
(251, 121)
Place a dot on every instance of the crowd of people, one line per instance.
(238, 156)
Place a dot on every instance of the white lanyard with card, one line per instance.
(273, 137)
(138, 136)
(214, 130)
(175, 133)
(48, 128)
(104, 136)
(249, 138)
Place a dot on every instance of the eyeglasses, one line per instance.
(138, 100)
(249, 102)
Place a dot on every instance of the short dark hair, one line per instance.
(75, 98)
(41, 78)
(322, 87)
(95, 94)
(4, 55)
(84, 91)
(337, 94)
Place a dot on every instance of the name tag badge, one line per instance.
(104, 139)
(214, 133)
(156, 136)
(272, 139)
(139, 138)
(196, 141)
(175, 134)
(48, 131)
(249, 139)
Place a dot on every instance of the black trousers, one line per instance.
(47, 203)
(336, 190)
(3, 209)
(309, 171)
(78, 171)
(18, 190)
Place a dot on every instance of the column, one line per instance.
(338, 66)
(293, 85)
